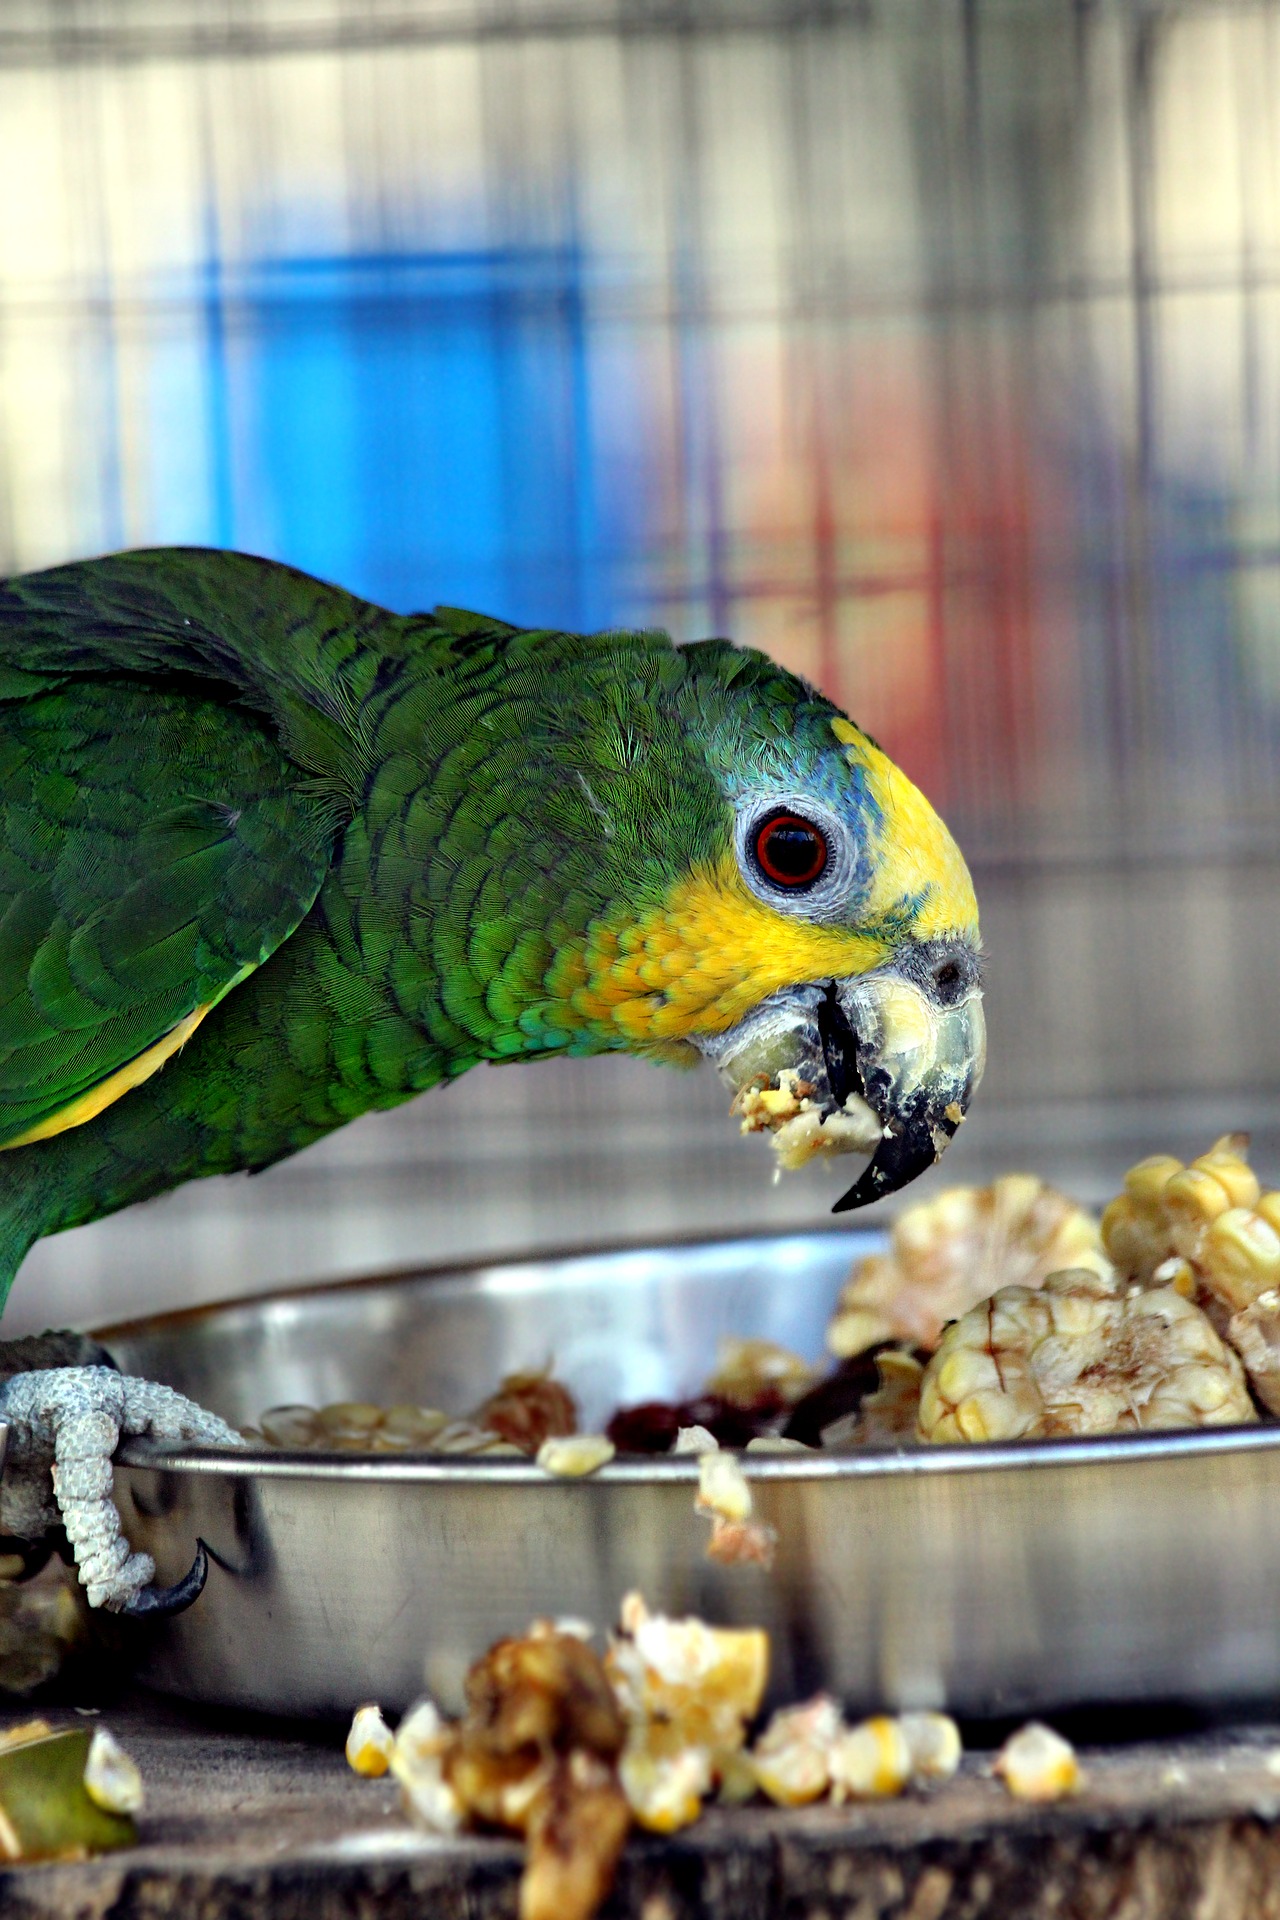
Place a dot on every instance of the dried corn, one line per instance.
(420, 1753)
(369, 1743)
(871, 1761)
(111, 1779)
(572, 1456)
(948, 1254)
(1075, 1358)
(791, 1761)
(750, 1373)
(933, 1742)
(1038, 1764)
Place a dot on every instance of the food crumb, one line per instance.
(723, 1490)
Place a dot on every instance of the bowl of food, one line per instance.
(1041, 1472)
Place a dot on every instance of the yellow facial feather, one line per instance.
(701, 960)
(712, 950)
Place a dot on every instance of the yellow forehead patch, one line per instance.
(918, 855)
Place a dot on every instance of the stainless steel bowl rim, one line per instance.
(975, 1457)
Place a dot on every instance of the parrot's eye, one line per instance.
(789, 850)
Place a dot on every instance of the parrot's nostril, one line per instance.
(948, 979)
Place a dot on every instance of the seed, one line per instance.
(293, 1427)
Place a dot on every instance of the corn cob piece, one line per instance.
(949, 1253)
(1211, 1230)
(1073, 1357)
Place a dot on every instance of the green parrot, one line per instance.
(273, 857)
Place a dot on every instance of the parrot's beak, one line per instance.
(891, 1059)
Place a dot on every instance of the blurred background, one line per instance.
(933, 347)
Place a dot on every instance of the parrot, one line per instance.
(274, 857)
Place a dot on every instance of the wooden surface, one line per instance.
(246, 1823)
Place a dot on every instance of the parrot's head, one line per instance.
(782, 901)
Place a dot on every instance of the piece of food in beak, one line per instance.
(1074, 1357)
(949, 1253)
(883, 1064)
(800, 1128)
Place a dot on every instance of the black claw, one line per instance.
(161, 1603)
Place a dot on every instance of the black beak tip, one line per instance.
(162, 1603)
(914, 1146)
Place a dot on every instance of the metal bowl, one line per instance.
(989, 1579)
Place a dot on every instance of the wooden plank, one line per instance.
(248, 1823)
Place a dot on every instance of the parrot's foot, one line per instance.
(65, 1424)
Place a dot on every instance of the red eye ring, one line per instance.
(790, 851)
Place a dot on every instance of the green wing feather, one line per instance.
(157, 840)
(155, 846)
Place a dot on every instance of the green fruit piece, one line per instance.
(45, 1812)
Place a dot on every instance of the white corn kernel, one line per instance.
(723, 1489)
(664, 1791)
(572, 1456)
(872, 1761)
(933, 1741)
(422, 1741)
(1038, 1764)
(369, 1743)
(792, 1758)
(111, 1779)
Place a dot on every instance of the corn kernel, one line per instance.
(871, 1761)
(1240, 1256)
(292, 1427)
(933, 1742)
(665, 1793)
(369, 1743)
(791, 1760)
(111, 1779)
(1038, 1764)
(1145, 1183)
(572, 1456)
(723, 1488)
(1226, 1162)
